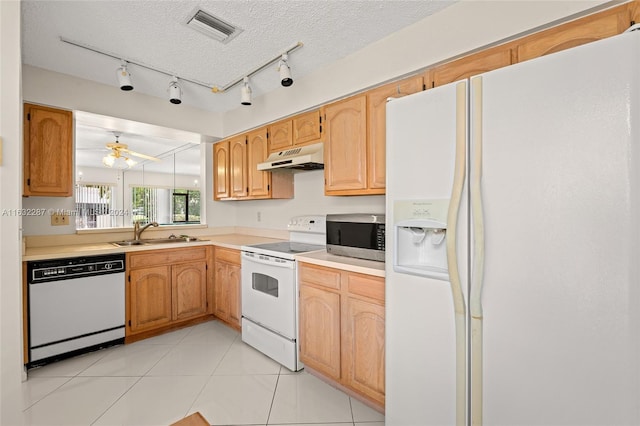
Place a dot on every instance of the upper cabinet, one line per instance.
(585, 30)
(221, 170)
(236, 175)
(307, 128)
(475, 64)
(355, 142)
(48, 151)
(345, 148)
(376, 123)
(303, 129)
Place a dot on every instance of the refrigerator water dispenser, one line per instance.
(421, 248)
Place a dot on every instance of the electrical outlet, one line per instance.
(259, 216)
(58, 219)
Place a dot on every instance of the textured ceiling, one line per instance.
(154, 33)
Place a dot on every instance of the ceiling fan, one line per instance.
(121, 150)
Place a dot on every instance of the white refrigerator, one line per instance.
(513, 244)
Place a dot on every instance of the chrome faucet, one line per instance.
(137, 231)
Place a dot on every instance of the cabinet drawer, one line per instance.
(228, 255)
(318, 275)
(166, 256)
(366, 285)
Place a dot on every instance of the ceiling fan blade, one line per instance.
(137, 154)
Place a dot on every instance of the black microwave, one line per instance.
(356, 235)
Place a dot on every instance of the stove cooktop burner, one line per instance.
(285, 247)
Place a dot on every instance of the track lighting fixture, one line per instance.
(245, 92)
(285, 71)
(124, 78)
(175, 93)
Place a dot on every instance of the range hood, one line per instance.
(310, 157)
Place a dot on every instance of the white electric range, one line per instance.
(269, 290)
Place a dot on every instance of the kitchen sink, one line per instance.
(153, 241)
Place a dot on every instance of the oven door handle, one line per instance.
(259, 258)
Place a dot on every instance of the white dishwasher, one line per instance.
(75, 305)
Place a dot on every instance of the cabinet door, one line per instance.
(581, 31)
(257, 152)
(363, 348)
(238, 179)
(189, 282)
(376, 119)
(475, 64)
(320, 330)
(346, 146)
(221, 170)
(307, 128)
(150, 297)
(280, 136)
(233, 288)
(220, 293)
(48, 151)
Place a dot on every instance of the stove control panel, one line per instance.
(313, 224)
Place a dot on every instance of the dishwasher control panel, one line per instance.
(74, 267)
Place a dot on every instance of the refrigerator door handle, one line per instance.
(475, 302)
(452, 259)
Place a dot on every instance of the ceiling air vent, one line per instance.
(212, 26)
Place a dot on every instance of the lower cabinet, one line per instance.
(166, 287)
(342, 328)
(227, 305)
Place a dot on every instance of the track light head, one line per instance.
(285, 71)
(124, 78)
(175, 93)
(245, 92)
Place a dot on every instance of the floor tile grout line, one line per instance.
(353, 420)
(210, 375)
(273, 398)
(117, 399)
(48, 393)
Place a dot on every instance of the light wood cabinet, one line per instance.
(468, 66)
(166, 287)
(280, 136)
(376, 123)
(150, 298)
(236, 175)
(307, 128)
(221, 170)
(189, 290)
(584, 30)
(258, 151)
(345, 147)
(303, 129)
(227, 302)
(48, 151)
(342, 324)
(320, 330)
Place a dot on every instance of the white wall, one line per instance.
(463, 27)
(64, 91)
(10, 197)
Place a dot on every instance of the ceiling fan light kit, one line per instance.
(117, 159)
(124, 77)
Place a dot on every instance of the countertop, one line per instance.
(352, 264)
(231, 241)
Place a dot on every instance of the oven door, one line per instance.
(269, 292)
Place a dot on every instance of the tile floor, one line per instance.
(204, 368)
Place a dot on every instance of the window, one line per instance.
(94, 205)
(164, 205)
(186, 206)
